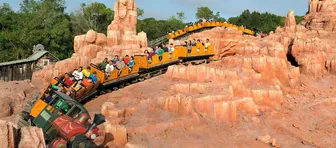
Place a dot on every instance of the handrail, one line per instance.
(195, 27)
(198, 26)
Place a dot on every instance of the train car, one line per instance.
(63, 121)
(36, 109)
(143, 66)
(201, 25)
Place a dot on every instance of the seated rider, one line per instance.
(131, 63)
(103, 64)
(149, 55)
(164, 47)
(116, 59)
(68, 81)
(120, 65)
(171, 49)
(189, 46)
(109, 68)
(126, 59)
(193, 42)
(93, 77)
(78, 75)
(160, 53)
(207, 44)
(86, 72)
(198, 42)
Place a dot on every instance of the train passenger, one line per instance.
(103, 64)
(120, 65)
(94, 77)
(109, 68)
(198, 42)
(164, 47)
(116, 59)
(193, 42)
(126, 59)
(86, 72)
(171, 50)
(160, 53)
(68, 81)
(49, 98)
(207, 44)
(156, 50)
(87, 82)
(78, 74)
(189, 46)
(149, 55)
(131, 64)
(61, 88)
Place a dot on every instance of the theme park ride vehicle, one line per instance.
(64, 121)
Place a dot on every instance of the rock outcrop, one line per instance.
(93, 47)
(321, 15)
(32, 137)
(9, 135)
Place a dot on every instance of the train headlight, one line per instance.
(93, 136)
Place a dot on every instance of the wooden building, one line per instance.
(23, 69)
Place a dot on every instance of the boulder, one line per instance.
(101, 39)
(91, 36)
(115, 135)
(32, 137)
(9, 135)
(290, 22)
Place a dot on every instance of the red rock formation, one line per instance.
(290, 23)
(9, 135)
(119, 134)
(32, 137)
(321, 15)
(93, 47)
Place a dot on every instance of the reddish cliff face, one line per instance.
(93, 47)
(321, 15)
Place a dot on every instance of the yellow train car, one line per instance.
(201, 25)
(143, 66)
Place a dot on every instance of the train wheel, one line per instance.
(80, 141)
(141, 79)
(115, 88)
(134, 81)
(148, 76)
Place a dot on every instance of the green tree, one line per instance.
(95, 16)
(218, 18)
(180, 16)
(38, 22)
(264, 22)
(204, 12)
(140, 12)
(299, 19)
(158, 28)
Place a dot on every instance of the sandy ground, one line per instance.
(306, 119)
(13, 97)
